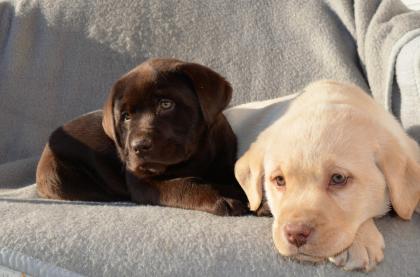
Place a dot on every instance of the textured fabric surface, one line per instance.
(6, 272)
(121, 239)
(259, 115)
(408, 78)
(23, 263)
(412, 4)
(380, 30)
(59, 58)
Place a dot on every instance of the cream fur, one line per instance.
(333, 128)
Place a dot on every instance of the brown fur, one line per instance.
(136, 150)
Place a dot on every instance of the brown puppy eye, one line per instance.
(280, 181)
(125, 116)
(166, 104)
(338, 180)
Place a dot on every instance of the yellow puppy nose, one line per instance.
(297, 233)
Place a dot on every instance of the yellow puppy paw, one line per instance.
(366, 251)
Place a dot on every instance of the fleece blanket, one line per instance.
(59, 58)
(407, 71)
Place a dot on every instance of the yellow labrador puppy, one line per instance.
(329, 165)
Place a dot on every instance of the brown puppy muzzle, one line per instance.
(142, 145)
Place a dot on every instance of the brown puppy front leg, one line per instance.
(185, 193)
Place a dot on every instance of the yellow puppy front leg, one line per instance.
(366, 251)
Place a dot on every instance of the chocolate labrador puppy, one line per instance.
(161, 139)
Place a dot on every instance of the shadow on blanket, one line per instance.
(414, 132)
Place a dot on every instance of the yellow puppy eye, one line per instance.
(338, 179)
(280, 181)
(166, 104)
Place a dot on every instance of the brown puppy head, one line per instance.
(326, 167)
(158, 112)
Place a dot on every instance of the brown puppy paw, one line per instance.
(229, 207)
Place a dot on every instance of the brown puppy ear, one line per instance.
(213, 91)
(108, 121)
(249, 172)
(402, 175)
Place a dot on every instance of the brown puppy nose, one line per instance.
(297, 233)
(141, 145)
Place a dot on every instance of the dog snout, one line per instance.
(142, 145)
(297, 233)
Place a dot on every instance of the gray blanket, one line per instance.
(58, 60)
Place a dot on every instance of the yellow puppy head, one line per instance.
(325, 167)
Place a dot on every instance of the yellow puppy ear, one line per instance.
(250, 174)
(402, 174)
